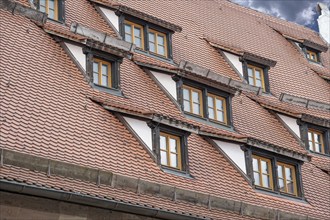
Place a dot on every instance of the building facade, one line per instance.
(161, 110)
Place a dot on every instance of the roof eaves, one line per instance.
(307, 103)
(316, 120)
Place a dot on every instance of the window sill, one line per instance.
(154, 55)
(176, 172)
(320, 154)
(111, 91)
(315, 62)
(280, 195)
(56, 21)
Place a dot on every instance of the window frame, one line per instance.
(181, 82)
(115, 62)
(304, 127)
(100, 63)
(59, 9)
(147, 26)
(254, 68)
(264, 76)
(275, 159)
(169, 152)
(191, 102)
(259, 158)
(156, 33)
(294, 178)
(133, 25)
(308, 50)
(157, 129)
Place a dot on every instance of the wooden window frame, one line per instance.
(304, 127)
(310, 53)
(259, 158)
(314, 131)
(275, 159)
(133, 25)
(254, 68)
(156, 33)
(168, 151)
(59, 9)
(148, 27)
(294, 178)
(265, 86)
(182, 135)
(191, 90)
(224, 106)
(100, 63)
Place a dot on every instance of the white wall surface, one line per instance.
(291, 123)
(141, 129)
(167, 81)
(234, 152)
(112, 17)
(234, 59)
(324, 21)
(77, 52)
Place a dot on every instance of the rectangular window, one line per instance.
(262, 172)
(217, 108)
(170, 150)
(157, 42)
(49, 7)
(102, 73)
(134, 34)
(315, 141)
(192, 100)
(311, 55)
(287, 178)
(256, 76)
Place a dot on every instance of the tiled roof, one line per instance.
(49, 110)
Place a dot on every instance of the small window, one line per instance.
(256, 76)
(315, 141)
(53, 8)
(134, 34)
(192, 100)
(217, 109)
(170, 150)
(287, 178)
(311, 55)
(157, 42)
(262, 172)
(102, 73)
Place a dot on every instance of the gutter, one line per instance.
(81, 199)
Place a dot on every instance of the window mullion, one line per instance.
(168, 153)
(260, 172)
(215, 108)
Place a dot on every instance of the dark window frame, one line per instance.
(205, 90)
(274, 158)
(318, 53)
(304, 127)
(146, 26)
(156, 129)
(61, 10)
(265, 69)
(115, 67)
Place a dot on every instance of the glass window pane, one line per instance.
(51, 4)
(42, 9)
(255, 165)
(161, 50)
(95, 67)
(219, 104)
(163, 158)
(250, 72)
(137, 32)
(211, 113)
(128, 38)
(280, 171)
(95, 78)
(105, 70)
(318, 148)
(173, 145)
(281, 184)
(186, 94)
(43, 3)
(288, 173)
(210, 101)
(174, 160)
(104, 81)
(264, 167)
(152, 37)
(310, 136)
(186, 106)
(265, 181)
(256, 179)
(138, 42)
(152, 47)
(160, 40)
(220, 116)
(128, 29)
(290, 187)
(317, 138)
(51, 14)
(162, 141)
(311, 145)
(195, 97)
(258, 74)
(196, 108)
(308, 56)
(258, 83)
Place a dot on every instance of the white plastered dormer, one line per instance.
(111, 17)
(291, 123)
(167, 82)
(77, 53)
(235, 62)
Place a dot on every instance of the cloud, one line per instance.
(299, 11)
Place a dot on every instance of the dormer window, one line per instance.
(312, 55)
(102, 73)
(204, 102)
(147, 37)
(256, 76)
(53, 8)
(315, 141)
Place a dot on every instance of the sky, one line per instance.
(299, 11)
